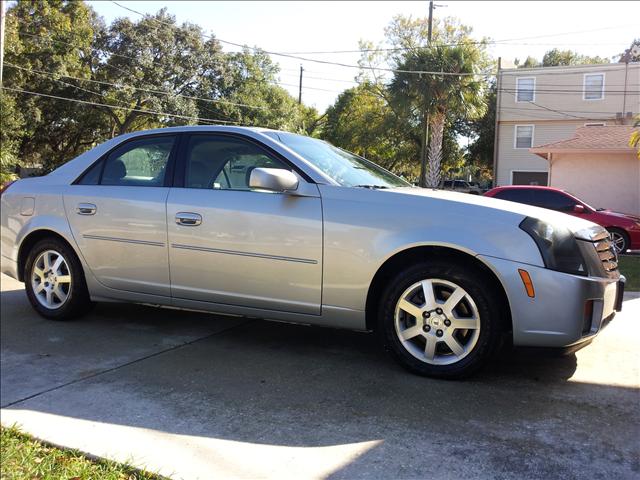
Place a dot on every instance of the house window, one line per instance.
(525, 89)
(520, 177)
(523, 136)
(593, 86)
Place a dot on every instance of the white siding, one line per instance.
(559, 89)
(511, 158)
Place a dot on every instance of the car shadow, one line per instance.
(269, 383)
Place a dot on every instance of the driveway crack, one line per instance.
(126, 364)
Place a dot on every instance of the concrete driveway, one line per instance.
(199, 396)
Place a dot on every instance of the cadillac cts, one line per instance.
(270, 224)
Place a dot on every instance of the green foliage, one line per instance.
(152, 73)
(11, 131)
(556, 58)
(632, 54)
(629, 266)
(383, 119)
(54, 36)
(250, 81)
(361, 121)
(483, 131)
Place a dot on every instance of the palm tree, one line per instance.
(454, 94)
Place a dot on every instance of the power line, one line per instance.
(480, 42)
(504, 41)
(160, 92)
(550, 109)
(214, 120)
(572, 91)
(324, 62)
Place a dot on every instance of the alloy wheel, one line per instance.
(437, 321)
(618, 241)
(51, 279)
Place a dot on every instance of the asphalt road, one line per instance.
(193, 395)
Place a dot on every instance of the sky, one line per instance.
(520, 29)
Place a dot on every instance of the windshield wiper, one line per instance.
(374, 187)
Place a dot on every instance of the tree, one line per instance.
(557, 58)
(55, 37)
(483, 131)
(631, 54)
(156, 65)
(11, 132)
(251, 78)
(450, 97)
(361, 121)
(90, 82)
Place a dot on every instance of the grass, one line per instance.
(24, 458)
(629, 266)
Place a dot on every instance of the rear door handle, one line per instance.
(86, 209)
(188, 219)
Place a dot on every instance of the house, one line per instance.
(597, 165)
(538, 106)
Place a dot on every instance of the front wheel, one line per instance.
(441, 319)
(54, 281)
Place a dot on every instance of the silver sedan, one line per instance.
(270, 224)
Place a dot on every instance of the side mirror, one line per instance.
(273, 179)
(579, 208)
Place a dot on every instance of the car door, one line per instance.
(232, 245)
(117, 213)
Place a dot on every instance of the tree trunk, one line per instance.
(435, 150)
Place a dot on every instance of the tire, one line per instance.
(479, 311)
(56, 291)
(620, 239)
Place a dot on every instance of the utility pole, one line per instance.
(496, 134)
(430, 21)
(2, 15)
(425, 114)
(300, 86)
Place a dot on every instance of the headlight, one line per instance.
(557, 245)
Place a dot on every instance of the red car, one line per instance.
(624, 228)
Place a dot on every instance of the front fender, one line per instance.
(364, 228)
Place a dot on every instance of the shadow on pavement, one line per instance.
(278, 384)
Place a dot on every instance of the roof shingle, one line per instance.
(615, 137)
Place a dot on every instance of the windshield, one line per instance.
(347, 169)
(584, 203)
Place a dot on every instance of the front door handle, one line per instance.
(86, 209)
(188, 219)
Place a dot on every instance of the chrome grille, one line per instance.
(607, 254)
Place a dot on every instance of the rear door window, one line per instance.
(137, 163)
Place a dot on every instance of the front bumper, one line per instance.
(567, 309)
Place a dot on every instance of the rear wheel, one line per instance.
(55, 282)
(441, 319)
(620, 240)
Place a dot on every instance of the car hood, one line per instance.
(625, 216)
(583, 229)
